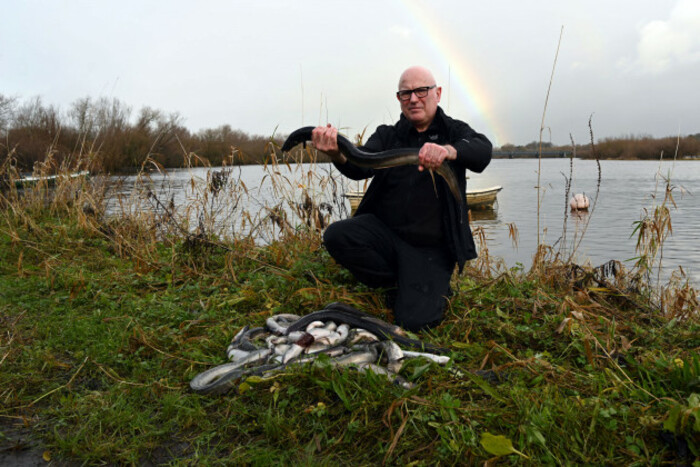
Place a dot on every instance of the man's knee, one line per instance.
(334, 238)
(352, 233)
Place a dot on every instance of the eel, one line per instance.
(377, 160)
(343, 313)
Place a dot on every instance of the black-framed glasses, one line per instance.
(420, 92)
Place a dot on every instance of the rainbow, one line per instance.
(471, 89)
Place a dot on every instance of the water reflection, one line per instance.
(482, 215)
(579, 216)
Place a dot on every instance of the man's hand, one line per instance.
(325, 139)
(432, 155)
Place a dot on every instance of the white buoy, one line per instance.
(579, 202)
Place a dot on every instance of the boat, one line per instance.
(49, 180)
(483, 199)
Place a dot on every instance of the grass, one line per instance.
(106, 320)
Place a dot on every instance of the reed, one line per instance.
(566, 249)
(677, 298)
(542, 128)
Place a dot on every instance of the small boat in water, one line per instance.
(482, 199)
(476, 199)
(49, 180)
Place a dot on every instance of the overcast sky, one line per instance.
(264, 65)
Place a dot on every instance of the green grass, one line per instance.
(98, 348)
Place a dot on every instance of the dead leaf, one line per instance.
(563, 324)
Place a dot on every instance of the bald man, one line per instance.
(404, 236)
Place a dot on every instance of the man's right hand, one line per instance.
(325, 139)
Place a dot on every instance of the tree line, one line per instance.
(641, 147)
(116, 139)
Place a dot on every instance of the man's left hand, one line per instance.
(432, 155)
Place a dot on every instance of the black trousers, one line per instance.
(378, 257)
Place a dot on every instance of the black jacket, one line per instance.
(473, 153)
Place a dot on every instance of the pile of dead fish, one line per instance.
(346, 335)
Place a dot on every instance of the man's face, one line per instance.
(419, 110)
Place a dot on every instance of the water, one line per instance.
(627, 187)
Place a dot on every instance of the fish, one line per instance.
(393, 377)
(356, 358)
(318, 346)
(272, 324)
(319, 333)
(315, 324)
(219, 379)
(393, 354)
(237, 338)
(440, 359)
(358, 336)
(234, 346)
(346, 314)
(377, 160)
(347, 335)
(289, 317)
(245, 343)
(293, 352)
(273, 340)
(295, 336)
(237, 354)
(343, 331)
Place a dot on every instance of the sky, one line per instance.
(630, 66)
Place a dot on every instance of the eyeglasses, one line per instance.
(420, 92)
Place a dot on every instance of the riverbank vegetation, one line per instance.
(116, 138)
(631, 147)
(120, 139)
(106, 318)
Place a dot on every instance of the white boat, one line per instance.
(484, 198)
(49, 180)
(476, 199)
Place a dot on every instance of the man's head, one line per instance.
(418, 110)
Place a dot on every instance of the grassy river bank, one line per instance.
(106, 320)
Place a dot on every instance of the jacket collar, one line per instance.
(404, 126)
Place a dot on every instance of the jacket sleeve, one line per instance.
(353, 172)
(473, 149)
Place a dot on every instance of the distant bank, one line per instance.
(500, 154)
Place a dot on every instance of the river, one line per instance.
(627, 189)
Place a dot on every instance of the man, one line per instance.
(409, 231)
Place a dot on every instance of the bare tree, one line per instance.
(7, 109)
